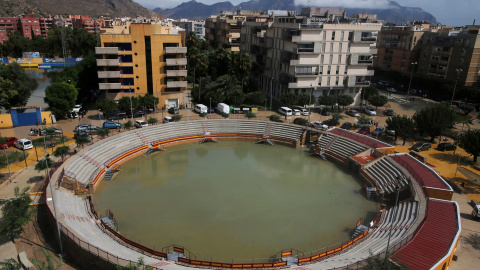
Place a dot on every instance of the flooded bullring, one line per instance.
(234, 201)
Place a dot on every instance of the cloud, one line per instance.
(379, 4)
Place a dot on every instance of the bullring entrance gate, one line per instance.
(26, 116)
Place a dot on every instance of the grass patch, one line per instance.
(13, 157)
(50, 139)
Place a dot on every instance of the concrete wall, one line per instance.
(6, 121)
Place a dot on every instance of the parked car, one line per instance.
(318, 124)
(296, 112)
(167, 119)
(390, 132)
(353, 113)
(391, 89)
(117, 116)
(421, 146)
(111, 125)
(331, 122)
(377, 131)
(364, 130)
(388, 112)
(140, 124)
(82, 134)
(370, 111)
(325, 112)
(23, 144)
(83, 127)
(476, 212)
(137, 114)
(52, 130)
(446, 147)
(173, 110)
(8, 142)
(346, 126)
(72, 114)
(304, 112)
(76, 108)
(362, 124)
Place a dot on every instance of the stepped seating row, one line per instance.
(110, 148)
(325, 139)
(243, 127)
(81, 169)
(171, 130)
(387, 175)
(286, 131)
(72, 211)
(346, 148)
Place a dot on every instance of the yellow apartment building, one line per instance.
(142, 58)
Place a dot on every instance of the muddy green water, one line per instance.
(234, 200)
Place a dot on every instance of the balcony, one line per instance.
(109, 74)
(109, 86)
(306, 74)
(359, 84)
(109, 62)
(176, 50)
(176, 62)
(176, 73)
(106, 50)
(177, 84)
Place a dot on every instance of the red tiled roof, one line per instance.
(433, 241)
(370, 142)
(420, 172)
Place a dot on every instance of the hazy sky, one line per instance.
(449, 12)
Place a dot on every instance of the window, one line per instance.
(328, 70)
(340, 47)
(331, 47)
(320, 70)
(342, 35)
(324, 35)
(333, 35)
(321, 59)
(336, 81)
(331, 58)
(339, 59)
(337, 71)
(328, 81)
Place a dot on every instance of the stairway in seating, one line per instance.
(141, 136)
(371, 194)
(109, 222)
(267, 132)
(108, 174)
(359, 230)
(205, 127)
(92, 161)
(331, 142)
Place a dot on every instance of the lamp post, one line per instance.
(411, 77)
(53, 198)
(210, 109)
(265, 109)
(131, 107)
(394, 217)
(310, 103)
(458, 70)
(8, 164)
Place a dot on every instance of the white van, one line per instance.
(200, 108)
(223, 108)
(296, 112)
(285, 111)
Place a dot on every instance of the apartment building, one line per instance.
(140, 58)
(223, 31)
(321, 51)
(29, 25)
(192, 26)
(92, 25)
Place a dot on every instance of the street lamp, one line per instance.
(8, 164)
(265, 109)
(210, 109)
(310, 102)
(397, 187)
(458, 70)
(411, 77)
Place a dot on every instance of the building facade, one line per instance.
(192, 26)
(142, 58)
(321, 51)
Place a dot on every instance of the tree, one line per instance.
(152, 121)
(403, 126)
(327, 100)
(251, 115)
(106, 106)
(237, 97)
(80, 140)
(148, 101)
(21, 83)
(61, 151)
(16, 212)
(288, 99)
(128, 125)
(60, 97)
(177, 117)
(369, 91)
(255, 98)
(16, 44)
(51, 264)
(434, 120)
(378, 100)
(42, 165)
(124, 103)
(470, 142)
(140, 265)
(10, 264)
(344, 100)
(305, 99)
(102, 132)
(379, 263)
(275, 118)
(338, 116)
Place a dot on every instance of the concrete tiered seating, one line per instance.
(72, 212)
(172, 130)
(346, 148)
(82, 169)
(286, 131)
(386, 175)
(325, 139)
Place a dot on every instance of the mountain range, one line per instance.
(394, 13)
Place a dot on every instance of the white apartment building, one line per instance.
(321, 51)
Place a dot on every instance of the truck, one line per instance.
(223, 108)
(200, 108)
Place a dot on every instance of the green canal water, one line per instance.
(234, 200)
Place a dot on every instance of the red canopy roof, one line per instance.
(433, 241)
(370, 142)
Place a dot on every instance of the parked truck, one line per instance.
(223, 108)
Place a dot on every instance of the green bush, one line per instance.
(13, 157)
(203, 115)
(275, 118)
(128, 125)
(177, 117)
(152, 121)
(300, 121)
(225, 115)
(251, 115)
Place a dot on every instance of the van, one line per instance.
(200, 108)
(223, 108)
(296, 112)
(285, 111)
